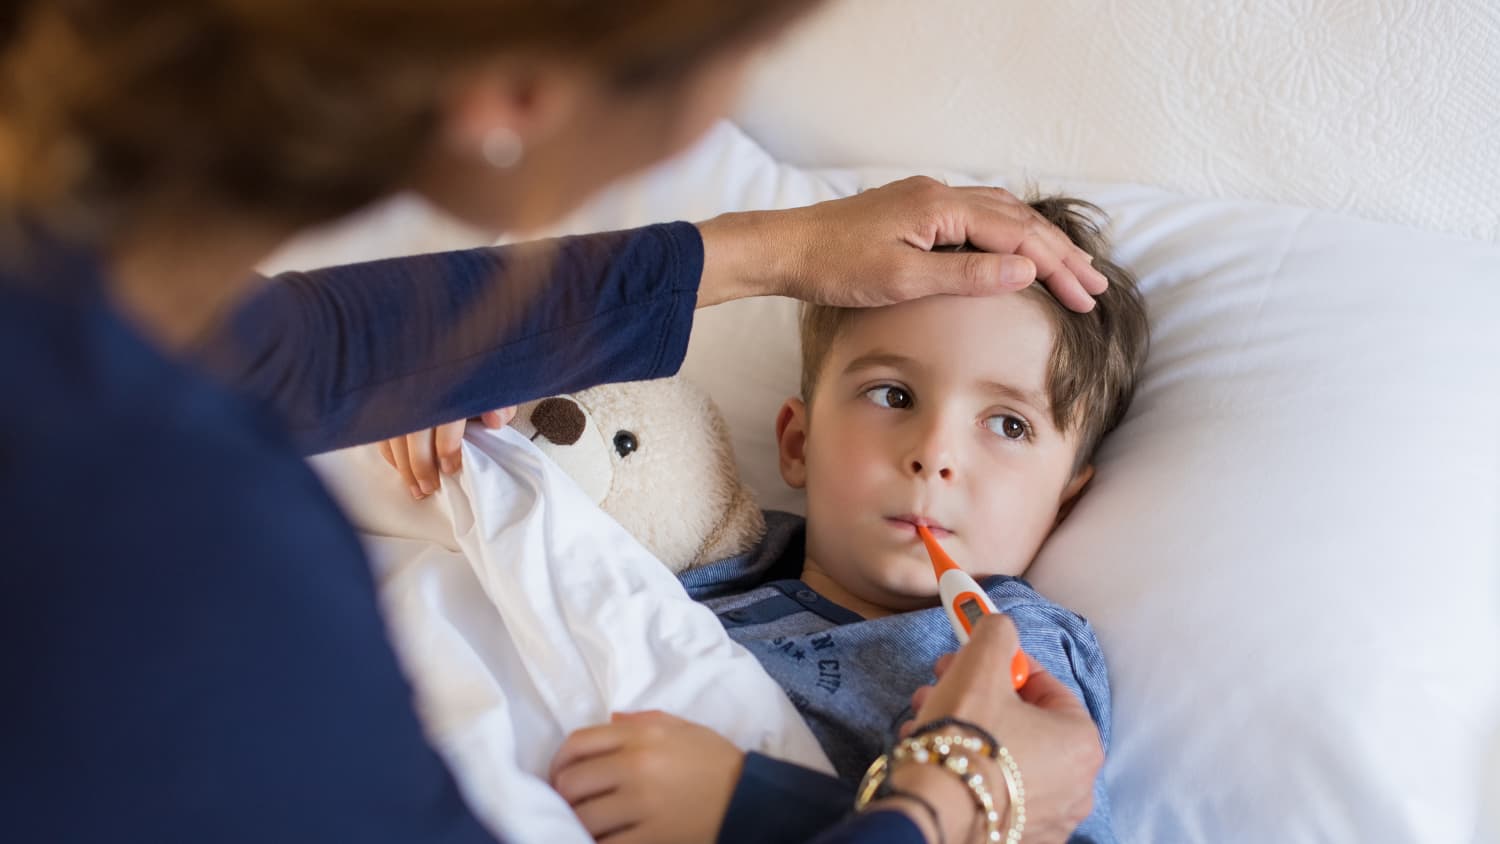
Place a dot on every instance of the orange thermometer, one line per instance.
(965, 602)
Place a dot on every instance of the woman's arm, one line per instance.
(887, 826)
(359, 353)
(370, 351)
(775, 800)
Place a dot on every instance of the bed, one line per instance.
(1292, 549)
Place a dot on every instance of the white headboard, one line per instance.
(1386, 109)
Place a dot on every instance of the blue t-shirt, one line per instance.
(852, 678)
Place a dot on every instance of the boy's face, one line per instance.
(936, 412)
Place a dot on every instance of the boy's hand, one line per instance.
(421, 457)
(648, 777)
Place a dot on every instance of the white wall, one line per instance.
(1388, 109)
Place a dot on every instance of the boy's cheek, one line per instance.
(1005, 544)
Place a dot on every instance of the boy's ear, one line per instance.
(791, 442)
(1073, 491)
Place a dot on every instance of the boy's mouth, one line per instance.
(907, 523)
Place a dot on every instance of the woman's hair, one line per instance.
(296, 110)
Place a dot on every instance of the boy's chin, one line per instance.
(904, 593)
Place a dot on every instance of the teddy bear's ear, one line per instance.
(739, 528)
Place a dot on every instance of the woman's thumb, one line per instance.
(973, 273)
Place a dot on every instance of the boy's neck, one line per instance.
(819, 581)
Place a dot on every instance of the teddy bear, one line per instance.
(656, 456)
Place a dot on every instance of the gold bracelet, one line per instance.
(923, 748)
(1016, 790)
(943, 744)
(948, 751)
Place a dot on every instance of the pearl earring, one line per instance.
(501, 147)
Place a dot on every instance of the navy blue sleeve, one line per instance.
(884, 827)
(777, 801)
(358, 353)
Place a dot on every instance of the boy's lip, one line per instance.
(909, 522)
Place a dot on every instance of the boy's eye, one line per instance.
(1010, 427)
(888, 396)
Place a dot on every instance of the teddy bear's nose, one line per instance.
(559, 420)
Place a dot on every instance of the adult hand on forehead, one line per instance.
(874, 248)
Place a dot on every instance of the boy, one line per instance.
(975, 417)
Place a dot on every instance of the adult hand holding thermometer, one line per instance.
(965, 603)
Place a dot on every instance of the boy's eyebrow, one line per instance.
(1034, 398)
(874, 359)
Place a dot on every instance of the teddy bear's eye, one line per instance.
(625, 443)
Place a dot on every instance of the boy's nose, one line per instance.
(929, 453)
(931, 466)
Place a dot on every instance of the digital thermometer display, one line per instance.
(972, 611)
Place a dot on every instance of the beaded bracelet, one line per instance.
(946, 750)
(939, 723)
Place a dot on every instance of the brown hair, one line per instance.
(1096, 356)
(299, 110)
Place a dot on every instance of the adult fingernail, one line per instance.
(416, 494)
(1017, 271)
(426, 486)
(450, 466)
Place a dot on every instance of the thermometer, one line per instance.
(965, 602)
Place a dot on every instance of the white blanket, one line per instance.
(522, 612)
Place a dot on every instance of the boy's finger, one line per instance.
(609, 817)
(586, 743)
(641, 833)
(588, 779)
(419, 448)
(498, 418)
(403, 465)
(448, 443)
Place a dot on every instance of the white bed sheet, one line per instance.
(522, 612)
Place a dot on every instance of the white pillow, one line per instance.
(1290, 551)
